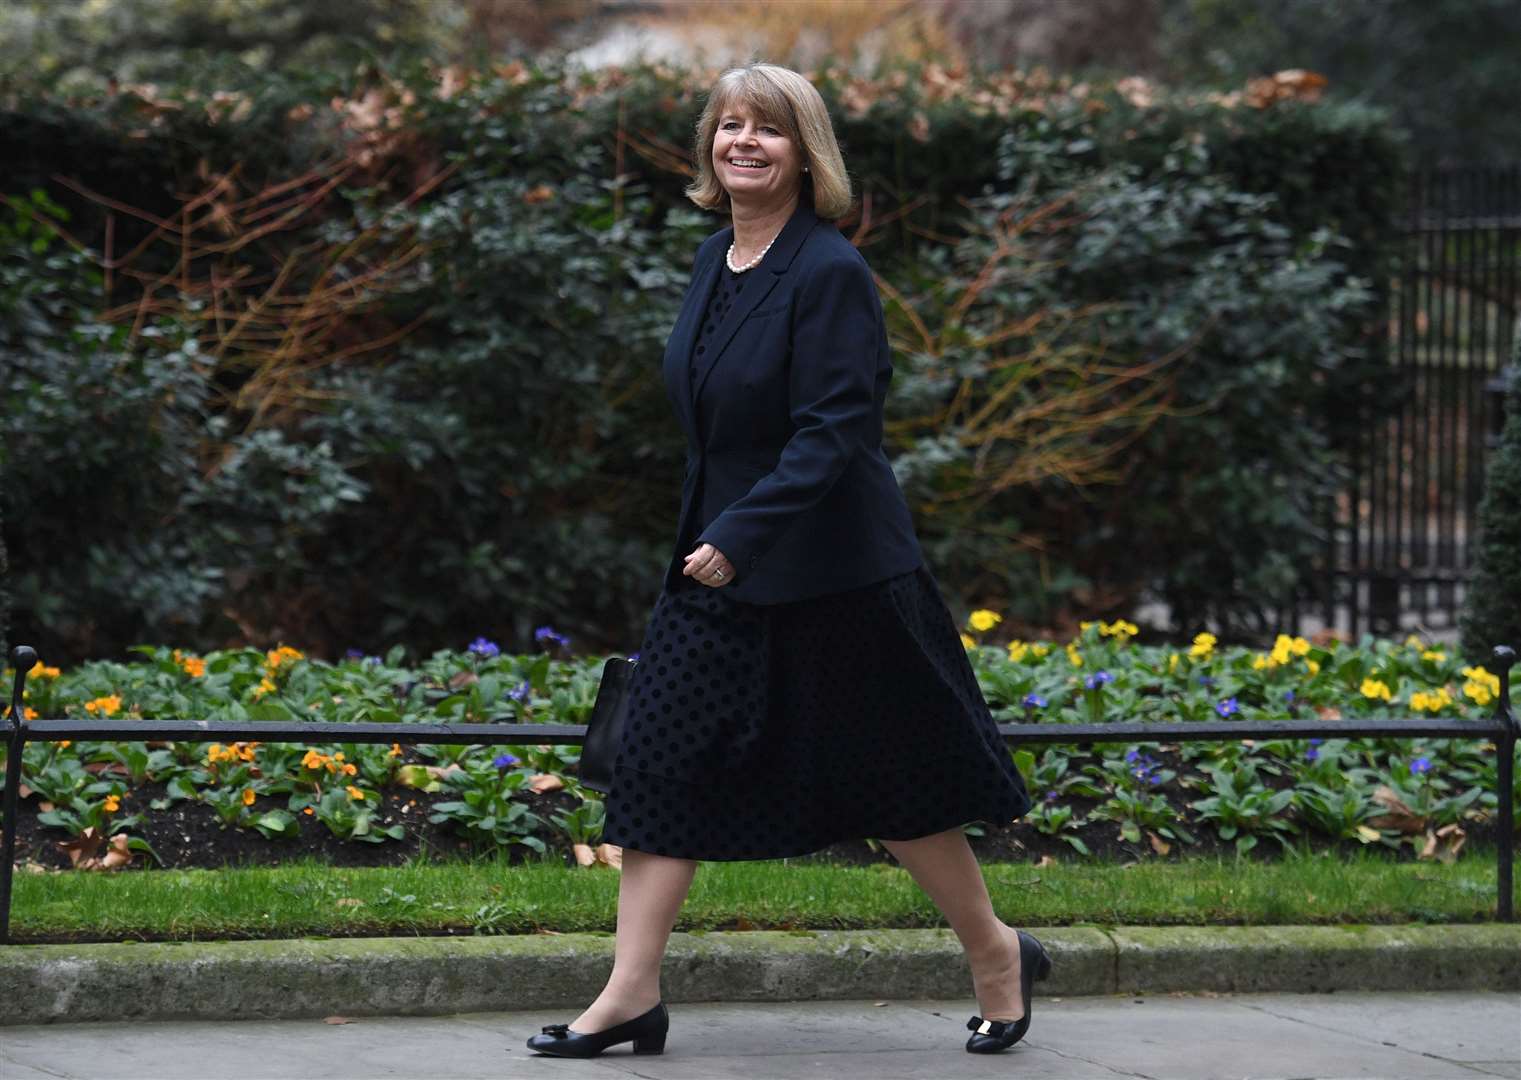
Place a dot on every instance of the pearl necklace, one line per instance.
(729, 258)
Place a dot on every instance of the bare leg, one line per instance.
(944, 867)
(650, 894)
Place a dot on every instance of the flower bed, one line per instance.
(100, 804)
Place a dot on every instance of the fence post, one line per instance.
(24, 657)
(1505, 744)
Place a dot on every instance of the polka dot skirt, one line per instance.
(765, 731)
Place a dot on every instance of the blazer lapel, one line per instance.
(777, 261)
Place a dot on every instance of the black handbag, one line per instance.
(604, 728)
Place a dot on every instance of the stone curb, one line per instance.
(315, 977)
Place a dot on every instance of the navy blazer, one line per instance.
(783, 416)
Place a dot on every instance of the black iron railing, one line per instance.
(1501, 727)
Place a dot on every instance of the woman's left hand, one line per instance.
(703, 563)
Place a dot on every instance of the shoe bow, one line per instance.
(559, 1031)
(994, 1028)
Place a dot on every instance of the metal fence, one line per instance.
(1501, 727)
(1402, 534)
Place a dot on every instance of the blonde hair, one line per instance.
(790, 103)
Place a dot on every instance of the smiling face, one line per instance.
(757, 163)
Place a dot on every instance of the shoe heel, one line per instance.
(650, 1044)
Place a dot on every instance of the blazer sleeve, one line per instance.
(832, 395)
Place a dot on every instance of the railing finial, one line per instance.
(1505, 659)
(24, 657)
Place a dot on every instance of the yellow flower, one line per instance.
(1414, 642)
(1480, 675)
(983, 620)
(1313, 665)
(1084, 625)
(1434, 701)
(1172, 662)
(112, 804)
(1436, 655)
(65, 742)
(1299, 646)
(1039, 649)
(1204, 644)
(1283, 649)
(1478, 692)
(354, 793)
(1074, 656)
(193, 666)
(275, 657)
(42, 671)
(966, 641)
(1018, 651)
(395, 750)
(248, 796)
(265, 687)
(1120, 629)
(110, 705)
(1376, 688)
(1262, 660)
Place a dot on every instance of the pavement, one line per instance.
(1388, 1036)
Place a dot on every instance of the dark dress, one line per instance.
(764, 731)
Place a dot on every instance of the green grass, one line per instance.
(313, 898)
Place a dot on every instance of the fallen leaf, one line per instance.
(1400, 817)
(22, 790)
(742, 923)
(542, 782)
(1328, 712)
(1444, 843)
(1160, 846)
(1045, 860)
(463, 678)
(336, 1020)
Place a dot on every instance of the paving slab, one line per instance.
(1366, 1036)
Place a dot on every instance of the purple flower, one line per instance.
(483, 648)
(1288, 695)
(1034, 701)
(354, 654)
(1132, 754)
(1050, 796)
(1420, 766)
(1311, 754)
(1097, 679)
(1206, 680)
(547, 633)
(504, 761)
(522, 693)
(1316, 742)
(1226, 707)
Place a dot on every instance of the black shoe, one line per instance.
(995, 1035)
(647, 1031)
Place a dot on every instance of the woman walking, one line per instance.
(801, 680)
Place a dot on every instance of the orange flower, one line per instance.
(308, 810)
(248, 796)
(354, 793)
(193, 666)
(395, 750)
(349, 770)
(110, 705)
(112, 804)
(29, 713)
